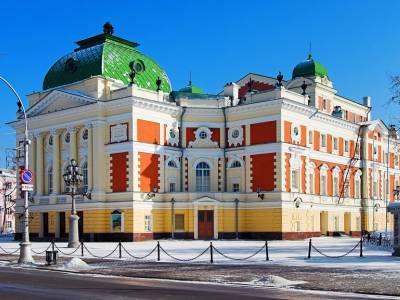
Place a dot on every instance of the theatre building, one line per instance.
(266, 158)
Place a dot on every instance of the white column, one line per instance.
(73, 153)
(39, 178)
(56, 161)
(90, 157)
(99, 158)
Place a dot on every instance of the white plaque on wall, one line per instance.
(119, 133)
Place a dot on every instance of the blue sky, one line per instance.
(218, 41)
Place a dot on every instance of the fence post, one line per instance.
(82, 247)
(266, 251)
(158, 250)
(361, 249)
(120, 249)
(211, 253)
(52, 245)
(380, 239)
(309, 249)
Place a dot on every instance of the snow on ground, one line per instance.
(290, 253)
(75, 263)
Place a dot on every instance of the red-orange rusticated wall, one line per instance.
(148, 171)
(263, 171)
(262, 133)
(119, 174)
(148, 132)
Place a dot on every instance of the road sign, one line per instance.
(26, 176)
(27, 187)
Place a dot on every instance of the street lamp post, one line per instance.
(25, 254)
(73, 179)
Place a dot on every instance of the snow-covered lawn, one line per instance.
(290, 253)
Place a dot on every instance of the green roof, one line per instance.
(108, 56)
(310, 67)
(190, 88)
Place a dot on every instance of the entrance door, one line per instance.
(206, 224)
(45, 217)
(61, 218)
(80, 224)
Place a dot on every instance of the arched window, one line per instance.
(323, 180)
(172, 164)
(336, 183)
(50, 180)
(202, 177)
(311, 178)
(85, 182)
(236, 164)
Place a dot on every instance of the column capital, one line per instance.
(56, 131)
(72, 129)
(96, 123)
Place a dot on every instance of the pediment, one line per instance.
(58, 100)
(205, 200)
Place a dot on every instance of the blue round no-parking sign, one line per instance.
(27, 176)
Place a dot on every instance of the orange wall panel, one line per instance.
(303, 130)
(316, 140)
(190, 137)
(329, 143)
(148, 132)
(341, 146)
(263, 133)
(148, 171)
(119, 174)
(369, 151)
(287, 132)
(216, 135)
(263, 172)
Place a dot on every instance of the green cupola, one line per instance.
(192, 89)
(111, 57)
(309, 67)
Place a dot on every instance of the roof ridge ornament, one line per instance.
(108, 28)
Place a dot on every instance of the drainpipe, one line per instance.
(181, 145)
(225, 162)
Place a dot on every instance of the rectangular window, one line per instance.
(179, 222)
(324, 104)
(335, 144)
(235, 187)
(357, 189)
(323, 140)
(147, 223)
(346, 114)
(172, 187)
(310, 137)
(396, 160)
(335, 186)
(116, 222)
(295, 179)
(346, 146)
(375, 189)
(323, 185)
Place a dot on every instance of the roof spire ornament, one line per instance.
(158, 83)
(304, 87)
(108, 28)
(279, 78)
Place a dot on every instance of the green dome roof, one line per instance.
(191, 89)
(310, 67)
(108, 56)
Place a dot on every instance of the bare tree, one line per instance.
(7, 195)
(395, 87)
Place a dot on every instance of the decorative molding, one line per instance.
(203, 139)
(118, 133)
(235, 136)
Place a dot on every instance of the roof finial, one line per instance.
(190, 78)
(309, 51)
(108, 28)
